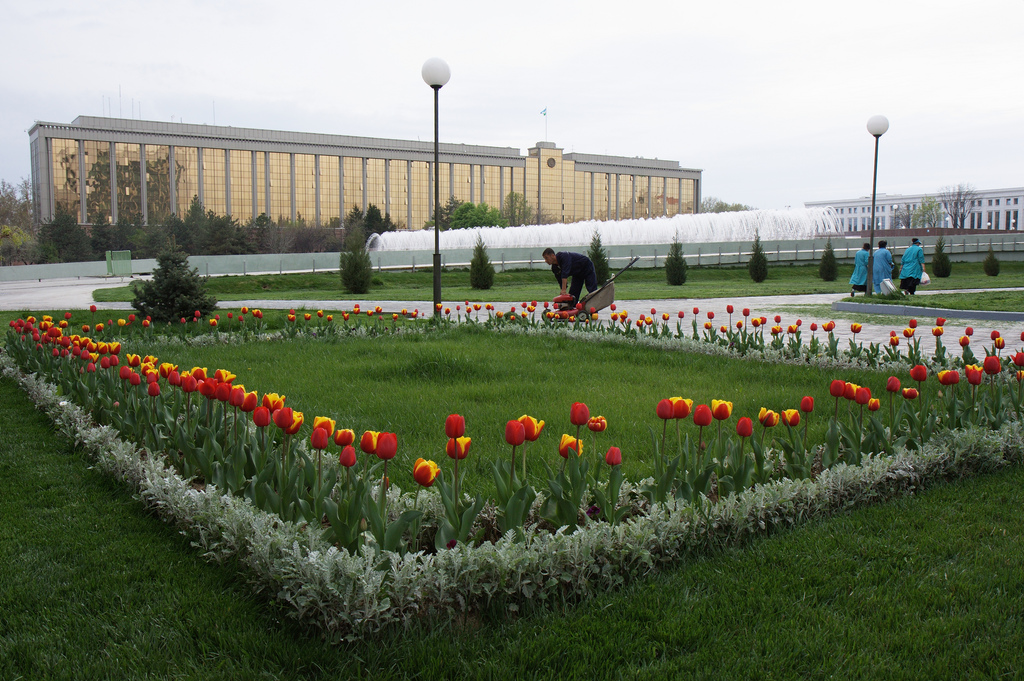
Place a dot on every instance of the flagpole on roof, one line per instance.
(544, 113)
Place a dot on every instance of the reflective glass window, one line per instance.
(460, 189)
(492, 186)
(375, 183)
(398, 206)
(262, 196)
(422, 191)
(330, 213)
(214, 181)
(186, 177)
(280, 187)
(65, 176)
(97, 182)
(305, 188)
(129, 182)
(353, 184)
(158, 184)
(241, 184)
(672, 196)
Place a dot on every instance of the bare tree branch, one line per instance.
(958, 202)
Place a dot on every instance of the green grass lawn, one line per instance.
(1008, 301)
(409, 384)
(525, 285)
(925, 587)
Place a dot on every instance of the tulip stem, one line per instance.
(512, 473)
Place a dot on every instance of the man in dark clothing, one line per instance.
(565, 264)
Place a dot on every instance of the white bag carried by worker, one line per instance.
(925, 279)
(887, 287)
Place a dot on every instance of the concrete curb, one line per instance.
(915, 311)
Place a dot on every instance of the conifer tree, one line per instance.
(758, 265)
(356, 267)
(599, 257)
(828, 269)
(675, 265)
(991, 263)
(941, 267)
(481, 271)
(174, 292)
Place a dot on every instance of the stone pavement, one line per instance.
(61, 294)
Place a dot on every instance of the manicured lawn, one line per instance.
(525, 285)
(1009, 301)
(409, 384)
(930, 586)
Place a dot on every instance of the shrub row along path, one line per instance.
(71, 294)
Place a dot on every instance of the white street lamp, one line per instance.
(877, 125)
(436, 73)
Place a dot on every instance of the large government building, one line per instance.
(101, 169)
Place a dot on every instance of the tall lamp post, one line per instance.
(877, 125)
(436, 73)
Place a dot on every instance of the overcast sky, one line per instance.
(769, 99)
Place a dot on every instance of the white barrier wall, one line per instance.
(729, 253)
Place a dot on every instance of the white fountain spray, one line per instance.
(806, 223)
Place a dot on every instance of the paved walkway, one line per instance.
(61, 294)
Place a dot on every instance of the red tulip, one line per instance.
(680, 407)
(223, 392)
(702, 415)
(261, 417)
(874, 404)
(964, 341)
(597, 424)
(533, 427)
(807, 404)
(343, 437)
(153, 389)
(863, 396)
(664, 409)
(347, 457)
(850, 391)
(936, 331)
(319, 438)
(368, 442)
(283, 418)
(1018, 359)
(237, 396)
(744, 427)
(919, 373)
(746, 312)
(458, 447)
(135, 379)
(454, 426)
(778, 319)
(974, 374)
(189, 384)
(515, 433)
(579, 414)
(613, 457)
(791, 417)
(249, 402)
(969, 331)
(912, 324)
(387, 446)
(569, 444)
(721, 409)
(992, 365)
(837, 388)
(425, 472)
(1000, 343)
(910, 393)
(940, 321)
(125, 372)
(949, 377)
(995, 334)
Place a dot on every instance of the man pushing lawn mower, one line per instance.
(565, 264)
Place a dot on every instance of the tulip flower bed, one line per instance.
(355, 553)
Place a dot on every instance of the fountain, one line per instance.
(803, 223)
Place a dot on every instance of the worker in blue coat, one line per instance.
(859, 278)
(566, 264)
(883, 265)
(912, 267)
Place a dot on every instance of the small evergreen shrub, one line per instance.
(481, 271)
(758, 265)
(675, 265)
(599, 257)
(828, 269)
(941, 267)
(991, 264)
(174, 292)
(356, 267)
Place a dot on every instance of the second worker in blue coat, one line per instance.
(859, 278)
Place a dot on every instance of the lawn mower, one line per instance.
(592, 302)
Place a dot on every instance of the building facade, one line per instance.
(102, 169)
(995, 209)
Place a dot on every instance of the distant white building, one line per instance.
(994, 209)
